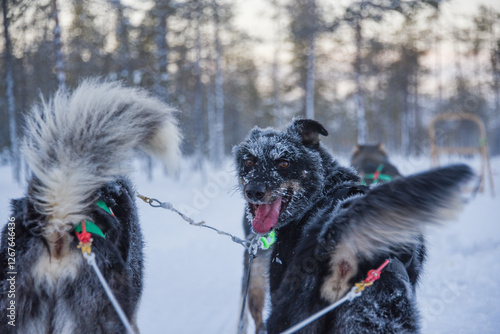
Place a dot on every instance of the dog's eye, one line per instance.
(250, 162)
(284, 164)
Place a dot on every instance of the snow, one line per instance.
(193, 275)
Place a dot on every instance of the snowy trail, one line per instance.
(193, 275)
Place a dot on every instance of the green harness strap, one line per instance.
(102, 205)
(376, 177)
(268, 240)
(90, 226)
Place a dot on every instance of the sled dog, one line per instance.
(78, 146)
(330, 231)
(373, 165)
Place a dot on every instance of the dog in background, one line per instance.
(78, 147)
(373, 165)
(331, 231)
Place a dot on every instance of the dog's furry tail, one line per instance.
(76, 142)
(393, 215)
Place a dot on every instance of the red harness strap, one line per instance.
(374, 274)
(83, 236)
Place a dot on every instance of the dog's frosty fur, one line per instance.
(78, 146)
(331, 231)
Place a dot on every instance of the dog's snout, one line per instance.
(255, 191)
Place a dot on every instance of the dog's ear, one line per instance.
(381, 148)
(357, 148)
(309, 130)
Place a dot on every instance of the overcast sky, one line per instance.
(255, 16)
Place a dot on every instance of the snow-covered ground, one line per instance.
(193, 275)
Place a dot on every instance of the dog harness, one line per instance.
(90, 226)
(268, 240)
(376, 176)
(355, 292)
(86, 227)
(83, 231)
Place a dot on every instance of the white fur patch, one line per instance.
(64, 190)
(344, 266)
(63, 321)
(50, 270)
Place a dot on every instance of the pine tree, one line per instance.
(87, 55)
(122, 54)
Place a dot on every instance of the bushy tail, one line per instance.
(394, 214)
(76, 142)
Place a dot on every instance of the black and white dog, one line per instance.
(78, 146)
(330, 231)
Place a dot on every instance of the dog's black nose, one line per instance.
(255, 191)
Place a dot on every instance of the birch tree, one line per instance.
(306, 24)
(277, 106)
(11, 103)
(162, 11)
(60, 70)
(198, 97)
(219, 85)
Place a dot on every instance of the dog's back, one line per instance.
(78, 147)
(373, 165)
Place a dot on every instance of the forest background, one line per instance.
(370, 70)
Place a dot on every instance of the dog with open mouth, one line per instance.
(331, 231)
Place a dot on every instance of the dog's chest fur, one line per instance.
(58, 261)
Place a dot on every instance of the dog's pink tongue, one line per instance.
(266, 216)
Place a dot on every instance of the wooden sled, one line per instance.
(481, 148)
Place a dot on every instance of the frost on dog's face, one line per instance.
(277, 171)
